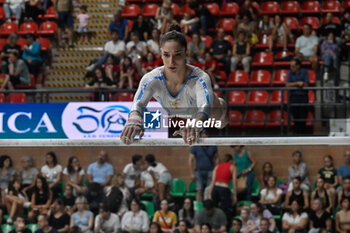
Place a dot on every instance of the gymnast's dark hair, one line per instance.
(174, 34)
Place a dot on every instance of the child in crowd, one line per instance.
(186, 22)
(210, 66)
(83, 18)
(329, 51)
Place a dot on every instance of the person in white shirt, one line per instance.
(13, 7)
(146, 182)
(106, 222)
(136, 220)
(114, 47)
(132, 171)
(136, 49)
(53, 173)
(295, 220)
(153, 44)
(271, 196)
(73, 175)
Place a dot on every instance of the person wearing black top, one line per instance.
(20, 226)
(43, 222)
(319, 218)
(221, 50)
(297, 194)
(203, 17)
(100, 81)
(69, 199)
(142, 27)
(323, 194)
(8, 48)
(59, 219)
(330, 27)
(264, 226)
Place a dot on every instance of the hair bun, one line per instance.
(175, 27)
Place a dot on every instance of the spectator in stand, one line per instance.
(146, 183)
(323, 194)
(13, 7)
(64, 14)
(28, 175)
(164, 16)
(245, 163)
(160, 174)
(112, 69)
(43, 222)
(211, 68)
(203, 19)
(94, 197)
(132, 171)
(206, 228)
(297, 194)
(20, 225)
(280, 34)
(14, 199)
(271, 196)
(113, 47)
(298, 77)
(127, 72)
(344, 169)
(154, 228)
(248, 225)
(345, 33)
(18, 72)
(83, 19)
(69, 200)
(59, 219)
(213, 216)
(258, 213)
(8, 48)
(241, 53)
(52, 171)
(73, 175)
(265, 26)
(119, 24)
(248, 26)
(329, 52)
(32, 55)
(193, 60)
(83, 218)
(7, 173)
(183, 227)
(298, 168)
(247, 8)
(150, 64)
(295, 220)
(153, 43)
(219, 190)
(345, 192)
(33, 8)
(306, 46)
(41, 199)
(319, 219)
(136, 50)
(221, 50)
(196, 46)
(141, 26)
(136, 220)
(330, 27)
(186, 23)
(116, 196)
(265, 226)
(166, 218)
(100, 171)
(106, 222)
(342, 217)
(267, 171)
(187, 213)
(202, 161)
(236, 225)
(118, 182)
(329, 174)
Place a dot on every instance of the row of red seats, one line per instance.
(13, 98)
(22, 86)
(44, 42)
(257, 118)
(50, 14)
(47, 28)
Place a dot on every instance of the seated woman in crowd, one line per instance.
(247, 25)
(153, 43)
(196, 46)
(257, 212)
(112, 68)
(342, 222)
(154, 228)
(166, 218)
(135, 220)
(83, 218)
(248, 225)
(323, 194)
(73, 175)
(241, 53)
(58, 218)
(236, 225)
(280, 34)
(7, 173)
(206, 228)
(14, 199)
(319, 218)
(183, 227)
(267, 171)
(164, 16)
(265, 26)
(295, 220)
(41, 199)
(271, 196)
(329, 173)
(297, 194)
(146, 183)
(298, 168)
(118, 182)
(149, 64)
(32, 55)
(7, 49)
(69, 199)
(100, 81)
(345, 192)
(28, 175)
(52, 171)
(127, 72)
(187, 213)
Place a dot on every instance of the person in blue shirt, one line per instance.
(298, 77)
(119, 24)
(344, 169)
(100, 171)
(32, 55)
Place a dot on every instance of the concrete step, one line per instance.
(58, 78)
(61, 85)
(70, 61)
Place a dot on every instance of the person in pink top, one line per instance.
(83, 18)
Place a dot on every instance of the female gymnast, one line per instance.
(180, 88)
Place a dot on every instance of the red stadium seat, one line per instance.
(222, 76)
(256, 6)
(263, 42)
(313, 21)
(311, 97)
(270, 8)
(292, 23)
(45, 43)
(213, 8)
(236, 97)
(262, 59)
(275, 119)
(176, 9)
(185, 8)
(2, 98)
(276, 97)
(8, 28)
(226, 24)
(229, 9)
(258, 97)
(310, 119)
(22, 42)
(254, 118)
(27, 86)
(28, 27)
(217, 93)
(235, 118)
(335, 20)
(346, 4)
(310, 7)
(280, 78)
(279, 58)
(16, 98)
(229, 38)
(131, 11)
(331, 6)
(312, 77)
(238, 78)
(124, 96)
(2, 42)
(149, 9)
(260, 78)
(50, 14)
(48, 28)
(207, 40)
(290, 8)
(2, 13)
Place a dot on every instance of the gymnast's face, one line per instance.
(174, 57)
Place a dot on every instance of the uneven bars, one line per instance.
(249, 141)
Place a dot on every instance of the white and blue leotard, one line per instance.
(196, 95)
